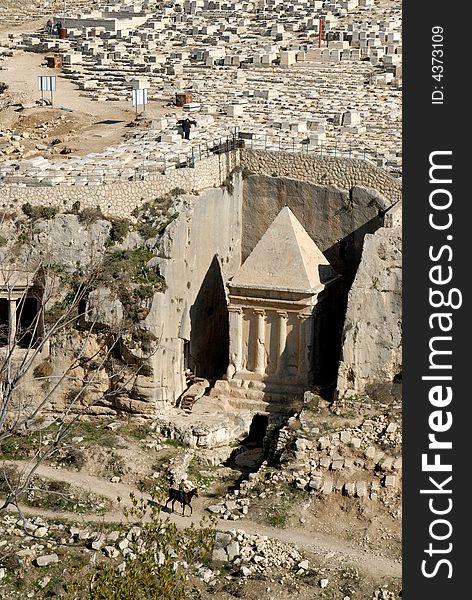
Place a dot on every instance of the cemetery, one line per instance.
(315, 78)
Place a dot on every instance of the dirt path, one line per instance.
(21, 70)
(97, 125)
(91, 126)
(312, 542)
(86, 482)
(28, 15)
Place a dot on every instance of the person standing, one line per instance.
(186, 125)
(182, 490)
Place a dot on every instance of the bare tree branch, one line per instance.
(25, 348)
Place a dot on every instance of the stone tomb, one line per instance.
(274, 305)
(19, 305)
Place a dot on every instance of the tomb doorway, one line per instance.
(257, 431)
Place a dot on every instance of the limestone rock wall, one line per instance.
(119, 199)
(342, 172)
(208, 226)
(372, 336)
(63, 241)
(330, 214)
(67, 242)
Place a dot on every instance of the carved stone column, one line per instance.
(235, 340)
(260, 350)
(305, 325)
(282, 342)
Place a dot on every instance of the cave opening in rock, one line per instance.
(209, 326)
(257, 431)
(249, 456)
(345, 256)
(187, 358)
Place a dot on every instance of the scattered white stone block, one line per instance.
(219, 554)
(46, 559)
(327, 487)
(361, 489)
(350, 488)
(298, 126)
(315, 483)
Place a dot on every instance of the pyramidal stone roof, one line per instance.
(285, 259)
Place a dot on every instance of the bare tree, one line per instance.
(37, 309)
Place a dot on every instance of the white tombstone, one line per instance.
(335, 55)
(314, 54)
(317, 138)
(268, 59)
(140, 83)
(298, 126)
(234, 110)
(351, 118)
(287, 58)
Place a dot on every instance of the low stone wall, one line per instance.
(121, 198)
(344, 173)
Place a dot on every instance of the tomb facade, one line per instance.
(275, 301)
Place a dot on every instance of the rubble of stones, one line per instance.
(40, 138)
(36, 542)
(253, 554)
(330, 463)
(254, 72)
(39, 544)
(362, 461)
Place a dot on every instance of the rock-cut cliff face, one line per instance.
(371, 347)
(160, 280)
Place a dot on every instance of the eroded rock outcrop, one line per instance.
(197, 253)
(371, 349)
(67, 242)
(161, 281)
(335, 218)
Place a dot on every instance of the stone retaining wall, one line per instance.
(121, 198)
(344, 173)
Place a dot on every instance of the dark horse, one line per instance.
(183, 497)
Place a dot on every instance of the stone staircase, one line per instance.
(258, 396)
(197, 389)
